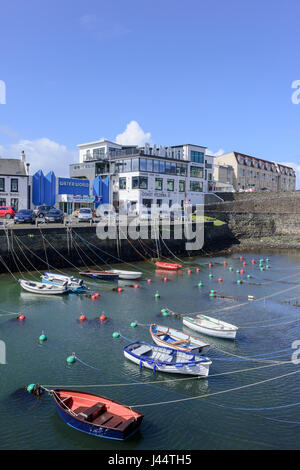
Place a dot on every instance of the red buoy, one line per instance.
(149, 281)
(253, 261)
(136, 286)
(120, 289)
(244, 263)
(21, 317)
(165, 279)
(225, 263)
(209, 265)
(241, 258)
(198, 270)
(93, 297)
(97, 295)
(82, 318)
(220, 279)
(242, 271)
(102, 318)
(189, 271)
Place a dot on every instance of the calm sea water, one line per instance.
(267, 329)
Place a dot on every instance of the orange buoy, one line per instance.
(82, 318)
(225, 263)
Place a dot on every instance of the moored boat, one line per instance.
(102, 275)
(74, 284)
(211, 326)
(96, 415)
(175, 339)
(42, 288)
(164, 359)
(171, 266)
(129, 275)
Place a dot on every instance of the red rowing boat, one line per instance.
(172, 266)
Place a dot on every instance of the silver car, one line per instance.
(85, 214)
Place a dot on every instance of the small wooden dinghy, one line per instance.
(175, 339)
(74, 284)
(129, 275)
(211, 326)
(163, 359)
(171, 266)
(96, 415)
(103, 275)
(42, 288)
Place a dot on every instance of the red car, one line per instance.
(7, 211)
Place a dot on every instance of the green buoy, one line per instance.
(115, 334)
(248, 276)
(164, 313)
(200, 284)
(133, 324)
(211, 275)
(43, 337)
(262, 268)
(230, 269)
(157, 295)
(71, 359)
(239, 281)
(237, 271)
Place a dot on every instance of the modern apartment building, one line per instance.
(146, 175)
(252, 173)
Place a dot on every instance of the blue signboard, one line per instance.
(73, 186)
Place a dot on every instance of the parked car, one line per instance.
(8, 212)
(25, 216)
(54, 215)
(41, 211)
(85, 214)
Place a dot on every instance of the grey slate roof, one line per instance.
(12, 166)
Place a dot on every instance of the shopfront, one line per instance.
(72, 194)
(69, 203)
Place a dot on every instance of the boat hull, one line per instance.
(103, 276)
(190, 366)
(37, 290)
(225, 334)
(127, 275)
(168, 266)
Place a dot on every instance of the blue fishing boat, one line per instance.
(163, 359)
(74, 284)
(101, 275)
(96, 415)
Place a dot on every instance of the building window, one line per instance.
(99, 154)
(161, 167)
(197, 157)
(147, 203)
(156, 166)
(122, 183)
(139, 182)
(181, 186)
(127, 165)
(170, 185)
(14, 185)
(2, 202)
(135, 164)
(149, 164)
(159, 202)
(158, 184)
(196, 186)
(14, 202)
(143, 164)
(196, 172)
(2, 185)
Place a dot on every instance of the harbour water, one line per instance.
(218, 412)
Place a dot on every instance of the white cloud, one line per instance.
(215, 154)
(133, 135)
(42, 154)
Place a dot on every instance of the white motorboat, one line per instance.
(129, 275)
(211, 326)
(74, 284)
(42, 288)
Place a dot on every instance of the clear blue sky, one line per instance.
(214, 73)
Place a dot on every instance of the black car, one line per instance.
(41, 211)
(25, 216)
(54, 215)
